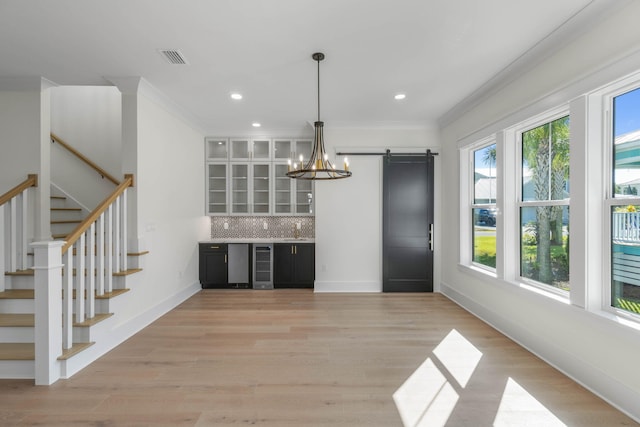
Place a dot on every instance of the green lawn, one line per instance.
(484, 250)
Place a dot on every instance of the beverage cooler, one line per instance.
(262, 266)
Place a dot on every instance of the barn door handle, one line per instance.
(431, 237)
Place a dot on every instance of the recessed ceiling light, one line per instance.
(236, 96)
(400, 96)
(256, 124)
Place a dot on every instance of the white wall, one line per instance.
(598, 351)
(169, 189)
(349, 211)
(89, 119)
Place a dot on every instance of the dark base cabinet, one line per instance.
(294, 265)
(213, 265)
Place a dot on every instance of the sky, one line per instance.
(627, 113)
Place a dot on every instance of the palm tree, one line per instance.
(545, 150)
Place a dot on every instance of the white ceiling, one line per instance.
(438, 52)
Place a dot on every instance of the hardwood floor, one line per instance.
(295, 358)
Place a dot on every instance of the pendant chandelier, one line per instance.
(318, 166)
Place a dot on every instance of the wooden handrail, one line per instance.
(31, 181)
(93, 216)
(79, 155)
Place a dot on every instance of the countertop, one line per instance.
(260, 240)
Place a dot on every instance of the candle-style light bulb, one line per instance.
(346, 164)
(301, 162)
(289, 165)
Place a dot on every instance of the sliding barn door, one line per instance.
(407, 220)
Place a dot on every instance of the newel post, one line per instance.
(48, 310)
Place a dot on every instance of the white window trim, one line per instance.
(515, 140)
(604, 100)
(467, 201)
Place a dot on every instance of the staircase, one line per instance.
(89, 315)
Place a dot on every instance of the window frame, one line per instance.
(472, 205)
(517, 131)
(606, 97)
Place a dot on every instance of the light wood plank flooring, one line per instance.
(295, 358)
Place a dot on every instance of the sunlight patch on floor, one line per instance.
(427, 398)
(459, 356)
(518, 405)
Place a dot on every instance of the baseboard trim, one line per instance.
(320, 287)
(591, 377)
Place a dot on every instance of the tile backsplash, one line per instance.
(245, 227)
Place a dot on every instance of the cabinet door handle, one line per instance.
(225, 258)
(291, 249)
(214, 247)
(295, 250)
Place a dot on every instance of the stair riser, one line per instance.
(92, 333)
(17, 334)
(16, 306)
(18, 282)
(17, 369)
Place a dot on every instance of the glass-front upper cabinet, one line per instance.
(261, 149)
(303, 148)
(304, 196)
(217, 149)
(260, 181)
(285, 149)
(239, 149)
(239, 188)
(217, 188)
(291, 196)
(283, 190)
(282, 149)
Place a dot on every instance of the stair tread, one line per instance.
(67, 209)
(17, 351)
(99, 317)
(75, 349)
(17, 294)
(137, 253)
(17, 320)
(127, 272)
(66, 221)
(27, 272)
(29, 294)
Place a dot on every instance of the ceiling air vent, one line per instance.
(173, 56)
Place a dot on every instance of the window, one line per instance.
(625, 202)
(544, 206)
(483, 210)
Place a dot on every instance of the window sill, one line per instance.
(485, 274)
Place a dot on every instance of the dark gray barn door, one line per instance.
(407, 218)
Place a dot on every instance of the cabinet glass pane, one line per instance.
(217, 149)
(239, 149)
(261, 149)
(283, 186)
(304, 196)
(261, 188)
(217, 196)
(239, 189)
(304, 147)
(281, 149)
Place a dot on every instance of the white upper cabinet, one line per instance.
(261, 149)
(247, 176)
(240, 149)
(217, 149)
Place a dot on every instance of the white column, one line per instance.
(48, 310)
